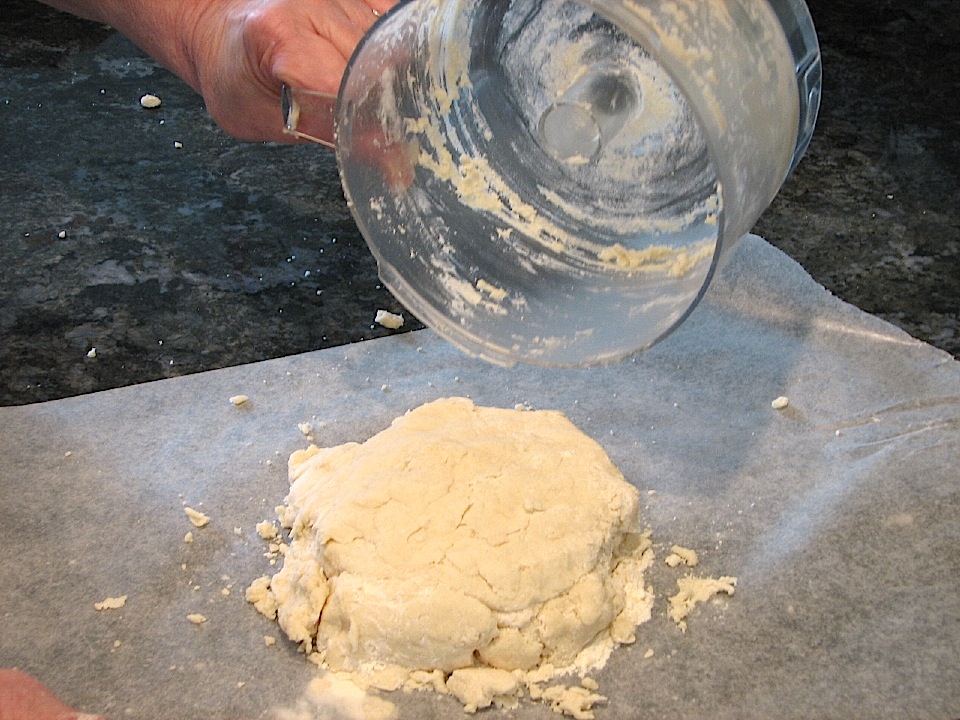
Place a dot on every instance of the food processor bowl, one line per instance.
(554, 182)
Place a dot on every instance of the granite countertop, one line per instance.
(170, 248)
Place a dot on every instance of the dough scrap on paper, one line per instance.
(693, 591)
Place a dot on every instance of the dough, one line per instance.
(197, 518)
(499, 547)
(680, 555)
(693, 591)
(329, 697)
(389, 320)
(111, 603)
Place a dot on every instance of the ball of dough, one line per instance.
(460, 536)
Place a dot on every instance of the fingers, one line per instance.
(380, 7)
(253, 47)
(306, 45)
(364, 13)
(337, 24)
(311, 54)
(299, 46)
(24, 698)
(361, 13)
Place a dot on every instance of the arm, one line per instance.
(237, 53)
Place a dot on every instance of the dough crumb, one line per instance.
(259, 595)
(389, 320)
(780, 403)
(267, 530)
(197, 618)
(577, 702)
(188, 538)
(330, 696)
(111, 603)
(269, 640)
(149, 101)
(495, 293)
(680, 555)
(695, 590)
(480, 687)
(648, 654)
(92, 353)
(239, 399)
(197, 518)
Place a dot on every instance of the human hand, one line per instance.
(25, 698)
(243, 51)
(238, 53)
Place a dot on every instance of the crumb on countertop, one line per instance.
(389, 320)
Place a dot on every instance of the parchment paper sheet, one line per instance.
(839, 515)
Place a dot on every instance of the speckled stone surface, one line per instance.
(170, 248)
(873, 211)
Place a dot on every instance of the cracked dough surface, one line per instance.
(460, 537)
